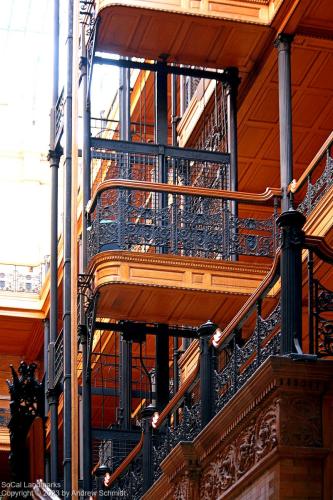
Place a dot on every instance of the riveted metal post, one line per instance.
(125, 382)
(86, 184)
(232, 91)
(291, 223)
(162, 369)
(205, 332)
(67, 291)
(148, 463)
(283, 44)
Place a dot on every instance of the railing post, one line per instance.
(205, 332)
(125, 382)
(291, 223)
(148, 463)
(283, 44)
(231, 92)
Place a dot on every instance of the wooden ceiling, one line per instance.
(167, 28)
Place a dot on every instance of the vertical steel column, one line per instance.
(174, 116)
(162, 369)
(148, 463)
(86, 185)
(205, 332)
(124, 104)
(67, 460)
(232, 91)
(54, 159)
(46, 361)
(46, 384)
(125, 382)
(125, 373)
(310, 302)
(161, 137)
(291, 223)
(283, 44)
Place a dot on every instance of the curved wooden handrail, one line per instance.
(178, 396)
(125, 463)
(294, 187)
(251, 198)
(243, 313)
(318, 245)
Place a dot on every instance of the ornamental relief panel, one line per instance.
(300, 423)
(250, 446)
(182, 489)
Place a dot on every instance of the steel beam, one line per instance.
(220, 75)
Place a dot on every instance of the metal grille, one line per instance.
(176, 224)
(59, 358)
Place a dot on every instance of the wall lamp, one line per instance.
(210, 329)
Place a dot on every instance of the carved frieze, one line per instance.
(300, 423)
(251, 445)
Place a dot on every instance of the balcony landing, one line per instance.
(163, 288)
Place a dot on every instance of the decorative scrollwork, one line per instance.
(131, 481)
(243, 361)
(316, 191)
(189, 225)
(238, 457)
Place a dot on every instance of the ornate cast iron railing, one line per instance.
(59, 118)
(237, 360)
(316, 180)
(4, 417)
(154, 163)
(161, 221)
(59, 358)
(21, 279)
(320, 300)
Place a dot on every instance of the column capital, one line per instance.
(232, 78)
(283, 41)
(54, 155)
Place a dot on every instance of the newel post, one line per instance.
(291, 222)
(148, 463)
(205, 332)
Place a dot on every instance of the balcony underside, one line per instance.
(162, 288)
(189, 39)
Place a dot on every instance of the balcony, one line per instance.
(151, 29)
(245, 416)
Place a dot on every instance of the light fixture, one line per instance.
(210, 329)
(155, 418)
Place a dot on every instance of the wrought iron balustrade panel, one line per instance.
(165, 439)
(323, 315)
(59, 358)
(184, 225)
(21, 279)
(4, 417)
(251, 236)
(317, 189)
(130, 482)
(243, 361)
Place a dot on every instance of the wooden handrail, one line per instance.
(178, 396)
(294, 187)
(125, 463)
(318, 245)
(243, 313)
(251, 198)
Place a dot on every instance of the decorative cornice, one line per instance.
(186, 262)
